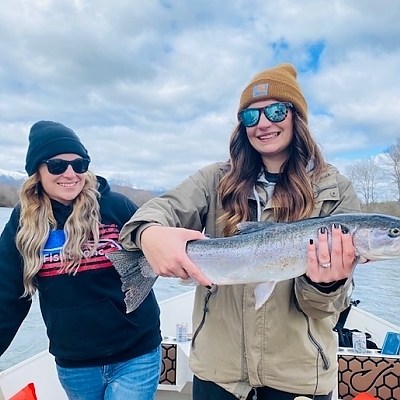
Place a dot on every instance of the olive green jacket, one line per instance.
(285, 342)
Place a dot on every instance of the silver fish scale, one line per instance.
(251, 257)
(263, 252)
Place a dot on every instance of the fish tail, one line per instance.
(137, 281)
(125, 262)
(136, 288)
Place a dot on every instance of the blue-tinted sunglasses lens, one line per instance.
(276, 112)
(57, 166)
(250, 116)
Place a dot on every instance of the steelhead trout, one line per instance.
(263, 252)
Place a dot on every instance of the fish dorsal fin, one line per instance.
(251, 226)
(263, 291)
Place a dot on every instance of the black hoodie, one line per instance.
(84, 313)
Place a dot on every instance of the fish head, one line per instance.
(378, 238)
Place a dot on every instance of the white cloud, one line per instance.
(152, 88)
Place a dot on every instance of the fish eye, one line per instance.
(394, 232)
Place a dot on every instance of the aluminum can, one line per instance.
(182, 332)
(359, 342)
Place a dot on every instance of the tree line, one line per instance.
(377, 181)
(8, 195)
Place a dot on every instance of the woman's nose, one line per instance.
(264, 121)
(69, 171)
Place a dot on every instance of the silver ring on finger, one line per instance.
(325, 265)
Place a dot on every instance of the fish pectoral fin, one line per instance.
(188, 282)
(263, 291)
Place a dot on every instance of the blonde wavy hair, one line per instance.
(37, 220)
(293, 197)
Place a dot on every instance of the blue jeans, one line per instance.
(133, 379)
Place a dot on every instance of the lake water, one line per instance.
(377, 288)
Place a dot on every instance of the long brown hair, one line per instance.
(37, 220)
(293, 197)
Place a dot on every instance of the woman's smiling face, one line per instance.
(65, 187)
(271, 139)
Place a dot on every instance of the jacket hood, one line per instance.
(104, 187)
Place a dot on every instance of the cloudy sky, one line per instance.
(152, 86)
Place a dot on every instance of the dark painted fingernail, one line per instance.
(208, 287)
(322, 230)
(311, 241)
(344, 230)
(336, 225)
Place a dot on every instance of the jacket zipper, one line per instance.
(325, 359)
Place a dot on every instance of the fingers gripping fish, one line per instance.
(263, 253)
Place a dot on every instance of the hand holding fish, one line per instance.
(165, 251)
(325, 265)
(262, 252)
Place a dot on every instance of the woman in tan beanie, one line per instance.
(275, 172)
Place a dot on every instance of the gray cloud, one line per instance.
(152, 87)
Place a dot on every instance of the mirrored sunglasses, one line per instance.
(275, 112)
(57, 166)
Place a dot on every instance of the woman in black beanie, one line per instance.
(56, 243)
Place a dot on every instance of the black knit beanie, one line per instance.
(48, 139)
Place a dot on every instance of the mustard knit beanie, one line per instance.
(278, 83)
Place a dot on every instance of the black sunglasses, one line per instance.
(58, 166)
(275, 112)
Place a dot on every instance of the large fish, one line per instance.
(263, 252)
